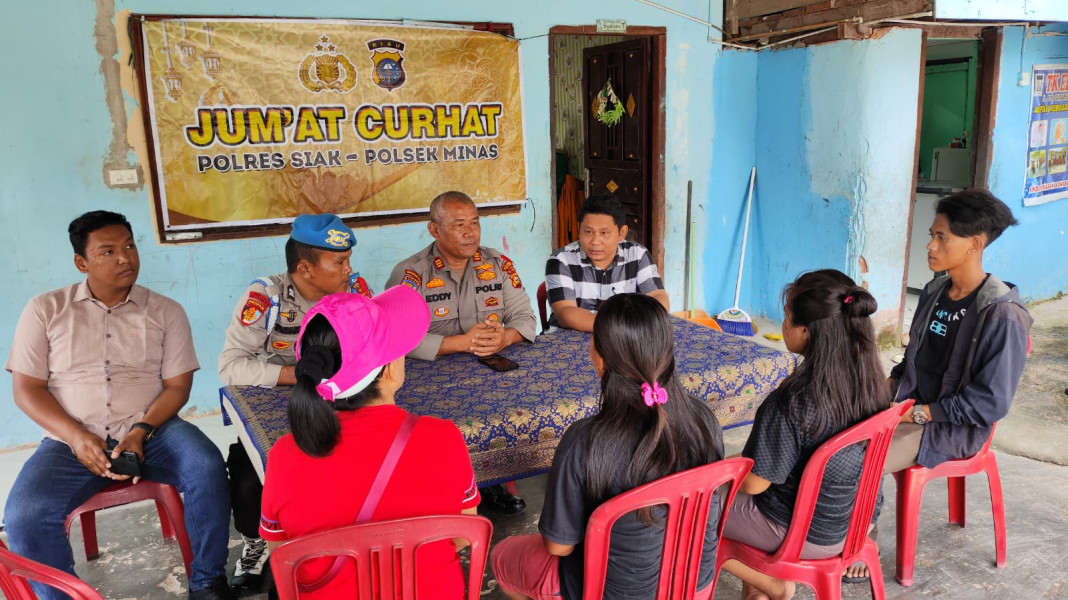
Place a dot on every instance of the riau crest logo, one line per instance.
(388, 58)
(327, 69)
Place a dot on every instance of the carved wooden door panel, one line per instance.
(617, 156)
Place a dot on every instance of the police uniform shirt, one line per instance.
(255, 350)
(489, 288)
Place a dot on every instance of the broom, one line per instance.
(734, 320)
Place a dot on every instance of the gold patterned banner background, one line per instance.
(258, 121)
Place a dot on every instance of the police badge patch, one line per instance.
(412, 279)
(509, 268)
(254, 308)
(388, 72)
(358, 285)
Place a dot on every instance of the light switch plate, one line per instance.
(119, 177)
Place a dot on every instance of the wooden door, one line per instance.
(617, 156)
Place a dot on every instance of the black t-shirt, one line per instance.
(636, 548)
(780, 451)
(932, 357)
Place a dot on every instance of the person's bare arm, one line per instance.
(569, 315)
(661, 297)
(754, 484)
(33, 398)
(557, 549)
(288, 375)
(462, 543)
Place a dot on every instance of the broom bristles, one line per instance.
(735, 321)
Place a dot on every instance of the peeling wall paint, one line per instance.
(834, 138)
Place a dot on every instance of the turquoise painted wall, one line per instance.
(52, 158)
(1034, 254)
(834, 134)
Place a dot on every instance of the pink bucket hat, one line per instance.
(372, 332)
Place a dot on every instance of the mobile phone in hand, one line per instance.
(498, 363)
(128, 463)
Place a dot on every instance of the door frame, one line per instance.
(658, 49)
(986, 98)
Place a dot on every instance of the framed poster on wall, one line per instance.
(1046, 177)
(253, 121)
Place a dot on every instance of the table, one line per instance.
(512, 421)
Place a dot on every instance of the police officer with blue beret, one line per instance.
(259, 350)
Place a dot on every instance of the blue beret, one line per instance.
(324, 231)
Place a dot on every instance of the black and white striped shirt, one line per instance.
(571, 275)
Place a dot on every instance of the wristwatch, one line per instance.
(919, 417)
(149, 429)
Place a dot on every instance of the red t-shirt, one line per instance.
(303, 494)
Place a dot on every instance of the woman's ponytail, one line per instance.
(313, 421)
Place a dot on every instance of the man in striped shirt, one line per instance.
(602, 263)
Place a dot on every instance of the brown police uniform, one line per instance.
(489, 288)
(262, 333)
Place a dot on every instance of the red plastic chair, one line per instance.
(687, 495)
(16, 572)
(910, 484)
(543, 311)
(168, 504)
(385, 553)
(824, 576)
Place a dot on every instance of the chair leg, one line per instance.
(909, 499)
(875, 578)
(164, 521)
(997, 507)
(957, 500)
(172, 517)
(88, 521)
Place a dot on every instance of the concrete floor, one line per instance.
(952, 562)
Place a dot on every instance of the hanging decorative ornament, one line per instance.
(609, 108)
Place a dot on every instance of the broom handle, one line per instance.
(745, 237)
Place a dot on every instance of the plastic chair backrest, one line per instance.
(15, 570)
(687, 495)
(543, 310)
(877, 431)
(385, 553)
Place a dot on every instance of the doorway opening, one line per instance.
(591, 157)
(957, 97)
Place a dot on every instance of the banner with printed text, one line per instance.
(1047, 139)
(256, 121)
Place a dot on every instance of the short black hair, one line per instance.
(605, 204)
(298, 251)
(437, 205)
(80, 228)
(971, 212)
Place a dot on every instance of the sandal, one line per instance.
(861, 579)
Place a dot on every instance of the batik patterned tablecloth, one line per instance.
(512, 421)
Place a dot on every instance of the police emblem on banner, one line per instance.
(387, 58)
(326, 69)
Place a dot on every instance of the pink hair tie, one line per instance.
(654, 395)
(848, 299)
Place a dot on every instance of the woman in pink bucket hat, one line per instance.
(349, 437)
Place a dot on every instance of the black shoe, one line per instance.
(218, 590)
(246, 584)
(497, 500)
